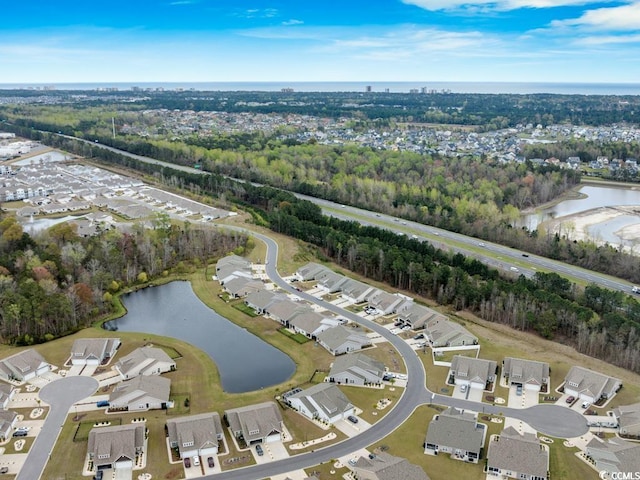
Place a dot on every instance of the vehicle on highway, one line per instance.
(514, 269)
(571, 399)
(196, 461)
(352, 419)
(481, 244)
(635, 289)
(525, 254)
(210, 462)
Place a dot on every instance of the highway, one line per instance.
(498, 256)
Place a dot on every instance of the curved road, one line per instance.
(552, 420)
(60, 395)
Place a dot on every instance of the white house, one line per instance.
(93, 351)
(323, 401)
(145, 361)
(195, 434)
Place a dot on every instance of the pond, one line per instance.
(245, 362)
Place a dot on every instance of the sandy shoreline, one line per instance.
(576, 227)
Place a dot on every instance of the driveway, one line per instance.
(529, 398)
(60, 395)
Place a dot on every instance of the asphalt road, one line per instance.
(60, 395)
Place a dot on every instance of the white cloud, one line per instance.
(435, 5)
(293, 21)
(621, 18)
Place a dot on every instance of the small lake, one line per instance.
(245, 362)
(597, 196)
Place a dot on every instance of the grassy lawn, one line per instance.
(448, 356)
(244, 308)
(366, 399)
(303, 430)
(296, 337)
(565, 465)
(386, 353)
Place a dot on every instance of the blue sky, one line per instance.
(329, 40)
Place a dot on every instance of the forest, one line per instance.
(55, 282)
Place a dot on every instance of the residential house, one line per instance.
(590, 386)
(195, 434)
(628, 418)
(260, 423)
(285, 309)
(8, 420)
(324, 402)
(239, 287)
(145, 392)
(145, 361)
(7, 392)
(442, 332)
(518, 456)
(355, 291)
(310, 271)
(457, 433)
(261, 300)
(356, 369)
(383, 466)
(116, 447)
(331, 282)
(311, 324)
(530, 374)
(23, 366)
(615, 456)
(232, 266)
(338, 340)
(384, 302)
(473, 372)
(93, 351)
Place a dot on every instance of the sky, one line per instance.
(72, 41)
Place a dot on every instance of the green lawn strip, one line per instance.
(296, 337)
(244, 308)
(565, 465)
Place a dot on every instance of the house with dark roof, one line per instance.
(145, 361)
(616, 455)
(7, 392)
(457, 433)
(260, 423)
(530, 374)
(23, 366)
(383, 466)
(144, 392)
(356, 369)
(116, 447)
(324, 402)
(93, 351)
(590, 386)
(473, 372)
(628, 418)
(513, 455)
(196, 434)
(8, 420)
(339, 340)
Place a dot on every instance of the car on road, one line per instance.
(187, 462)
(210, 462)
(196, 461)
(514, 269)
(352, 419)
(259, 450)
(481, 244)
(571, 399)
(635, 289)
(525, 254)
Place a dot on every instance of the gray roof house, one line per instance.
(145, 392)
(518, 456)
(474, 372)
(261, 300)
(260, 423)
(23, 366)
(324, 402)
(239, 287)
(6, 394)
(310, 271)
(232, 266)
(356, 369)
(355, 291)
(442, 332)
(93, 351)
(383, 301)
(332, 282)
(116, 447)
(616, 455)
(195, 434)
(628, 418)
(530, 374)
(310, 323)
(145, 361)
(8, 420)
(387, 467)
(457, 433)
(284, 310)
(417, 316)
(338, 340)
(590, 386)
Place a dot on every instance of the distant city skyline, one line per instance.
(72, 41)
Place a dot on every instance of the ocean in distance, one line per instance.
(392, 87)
